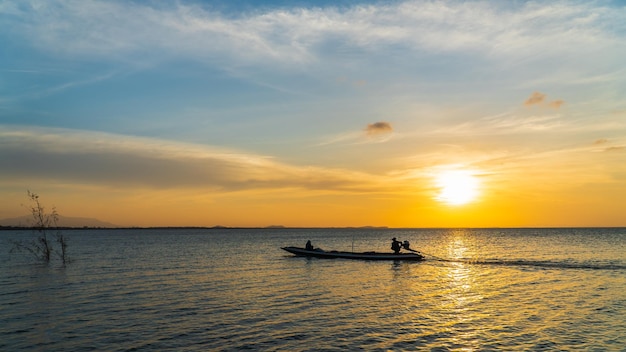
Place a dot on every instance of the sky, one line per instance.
(315, 113)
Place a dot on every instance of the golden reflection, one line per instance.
(457, 247)
(462, 294)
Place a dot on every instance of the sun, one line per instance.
(457, 187)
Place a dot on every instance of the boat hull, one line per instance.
(318, 253)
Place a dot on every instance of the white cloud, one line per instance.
(301, 35)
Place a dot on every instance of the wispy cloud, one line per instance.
(504, 124)
(376, 132)
(267, 46)
(605, 145)
(556, 103)
(299, 35)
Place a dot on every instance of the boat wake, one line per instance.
(546, 264)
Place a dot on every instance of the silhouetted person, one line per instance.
(406, 245)
(396, 245)
(309, 246)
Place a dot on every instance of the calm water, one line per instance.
(232, 290)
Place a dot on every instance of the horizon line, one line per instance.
(278, 227)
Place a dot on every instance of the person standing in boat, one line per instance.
(396, 245)
(309, 246)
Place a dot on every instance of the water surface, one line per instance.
(235, 289)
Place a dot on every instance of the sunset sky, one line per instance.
(315, 113)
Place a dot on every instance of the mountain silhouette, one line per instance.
(64, 221)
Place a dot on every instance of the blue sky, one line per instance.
(290, 94)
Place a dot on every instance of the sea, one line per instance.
(534, 289)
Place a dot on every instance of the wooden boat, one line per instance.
(318, 253)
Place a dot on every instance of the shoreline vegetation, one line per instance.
(49, 239)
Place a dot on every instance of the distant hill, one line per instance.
(64, 221)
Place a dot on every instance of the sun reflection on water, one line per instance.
(462, 294)
(457, 247)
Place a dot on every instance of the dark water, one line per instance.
(232, 290)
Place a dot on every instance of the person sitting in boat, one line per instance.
(396, 245)
(406, 245)
(309, 246)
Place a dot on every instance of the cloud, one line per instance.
(378, 128)
(606, 147)
(539, 99)
(266, 45)
(105, 160)
(535, 99)
(556, 104)
(121, 30)
(601, 141)
(377, 132)
(504, 124)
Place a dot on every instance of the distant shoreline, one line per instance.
(64, 228)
